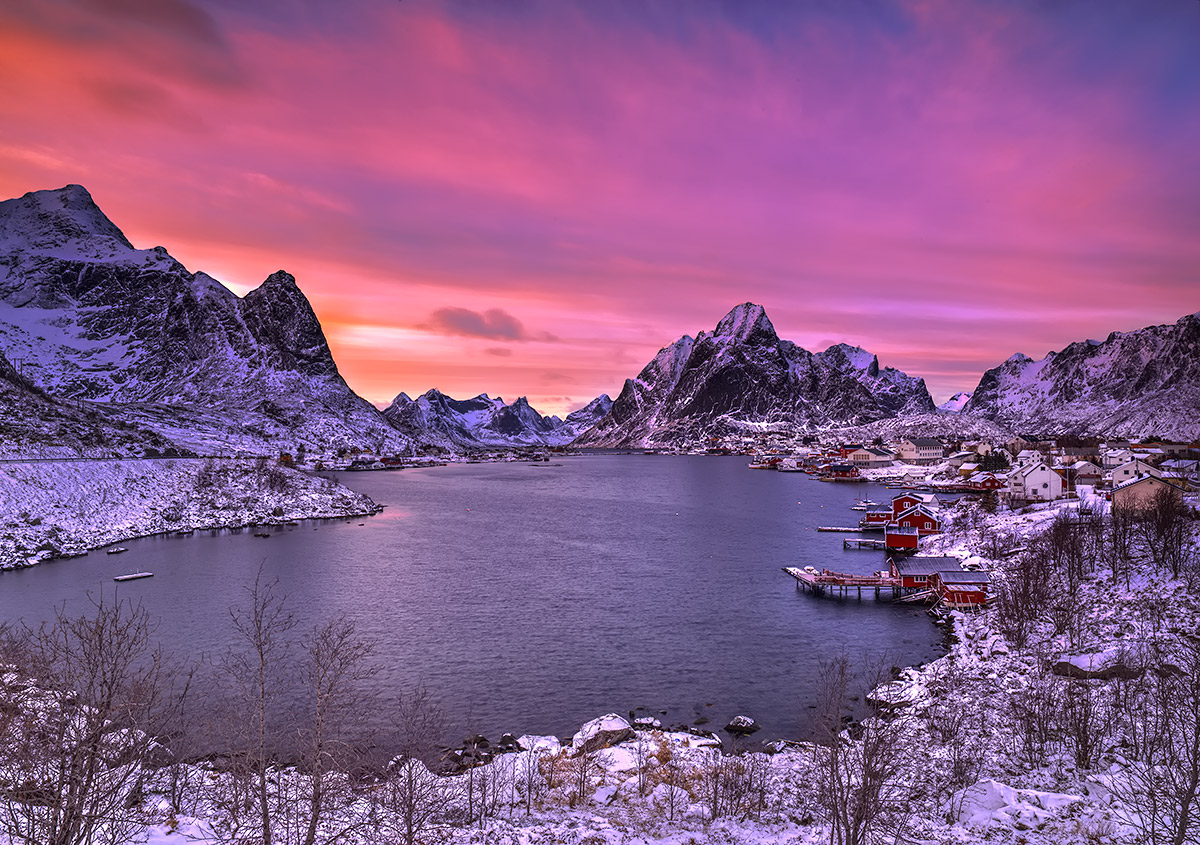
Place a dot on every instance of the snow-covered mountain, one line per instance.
(742, 377)
(34, 424)
(1132, 384)
(435, 419)
(91, 317)
(955, 403)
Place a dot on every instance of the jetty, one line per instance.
(838, 528)
(872, 543)
(132, 576)
(842, 584)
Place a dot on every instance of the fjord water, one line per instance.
(533, 597)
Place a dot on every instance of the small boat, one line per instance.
(858, 507)
(132, 576)
(116, 551)
(811, 570)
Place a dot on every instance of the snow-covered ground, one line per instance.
(68, 507)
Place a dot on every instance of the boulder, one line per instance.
(742, 726)
(600, 733)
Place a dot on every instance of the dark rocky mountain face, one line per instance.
(1132, 384)
(437, 420)
(743, 378)
(91, 317)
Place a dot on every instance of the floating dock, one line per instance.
(842, 584)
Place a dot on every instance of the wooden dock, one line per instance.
(864, 543)
(838, 528)
(842, 584)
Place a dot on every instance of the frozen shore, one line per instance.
(59, 508)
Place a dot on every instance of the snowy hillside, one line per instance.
(54, 507)
(741, 377)
(1132, 384)
(434, 419)
(90, 317)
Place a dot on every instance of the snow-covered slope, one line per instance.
(434, 419)
(955, 403)
(90, 317)
(743, 377)
(35, 425)
(1132, 384)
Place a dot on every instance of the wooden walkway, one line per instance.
(864, 543)
(842, 584)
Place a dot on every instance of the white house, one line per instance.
(1035, 482)
(1131, 469)
(871, 456)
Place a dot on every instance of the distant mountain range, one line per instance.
(434, 420)
(108, 348)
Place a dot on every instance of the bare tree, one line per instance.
(413, 805)
(1160, 783)
(860, 793)
(1164, 529)
(78, 732)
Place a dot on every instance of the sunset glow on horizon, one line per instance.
(532, 197)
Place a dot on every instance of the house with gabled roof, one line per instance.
(920, 450)
(914, 572)
(1140, 493)
(1035, 482)
(920, 517)
(1134, 468)
(868, 457)
(959, 589)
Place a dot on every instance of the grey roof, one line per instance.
(923, 565)
(928, 442)
(959, 576)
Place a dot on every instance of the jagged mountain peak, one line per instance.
(437, 420)
(847, 357)
(65, 221)
(93, 318)
(955, 403)
(743, 377)
(746, 323)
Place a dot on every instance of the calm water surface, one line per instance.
(533, 597)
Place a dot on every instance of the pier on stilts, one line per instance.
(843, 584)
(873, 543)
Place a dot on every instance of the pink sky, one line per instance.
(531, 198)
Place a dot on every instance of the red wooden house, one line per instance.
(959, 589)
(914, 572)
(905, 501)
(921, 518)
(897, 538)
